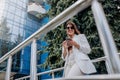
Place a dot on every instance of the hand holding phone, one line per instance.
(68, 41)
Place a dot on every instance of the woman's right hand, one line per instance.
(64, 44)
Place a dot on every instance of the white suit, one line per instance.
(80, 55)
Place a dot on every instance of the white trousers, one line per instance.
(72, 70)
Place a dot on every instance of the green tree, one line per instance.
(86, 25)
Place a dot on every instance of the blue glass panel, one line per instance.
(10, 26)
(23, 24)
(18, 12)
(15, 30)
(10, 16)
(11, 9)
(17, 19)
(19, 3)
(14, 1)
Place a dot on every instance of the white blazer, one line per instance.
(81, 57)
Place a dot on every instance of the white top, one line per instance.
(80, 55)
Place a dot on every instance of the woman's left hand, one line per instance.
(73, 43)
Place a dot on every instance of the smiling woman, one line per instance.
(74, 52)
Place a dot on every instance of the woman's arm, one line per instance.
(84, 45)
(64, 49)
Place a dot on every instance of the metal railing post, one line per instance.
(33, 66)
(106, 37)
(53, 76)
(9, 63)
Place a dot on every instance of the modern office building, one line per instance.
(18, 20)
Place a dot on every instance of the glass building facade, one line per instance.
(16, 24)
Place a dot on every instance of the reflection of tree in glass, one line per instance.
(4, 31)
(18, 40)
(7, 45)
(4, 37)
(16, 57)
(4, 40)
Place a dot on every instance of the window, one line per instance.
(11, 9)
(17, 19)
(10, 16)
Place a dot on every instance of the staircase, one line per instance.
(112, 64)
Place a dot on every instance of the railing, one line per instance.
(93, 77)
(59, 69)
(108, 44)
(42, 73)
(82, 78)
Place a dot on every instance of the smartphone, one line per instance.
(68, 39)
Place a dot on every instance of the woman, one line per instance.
(74, 51)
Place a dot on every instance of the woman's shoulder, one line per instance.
(81, 35)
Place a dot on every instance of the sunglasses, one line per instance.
(70, 27)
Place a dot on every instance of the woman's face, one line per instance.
(70, 30)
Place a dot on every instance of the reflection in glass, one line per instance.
(11, 9)
(15, 26)
(4, 31)
(10, 16)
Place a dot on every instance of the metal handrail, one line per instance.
(42, 73)
(58, 69)
(61, 18)
(93, 77)
(102, 25)
(106, 38)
